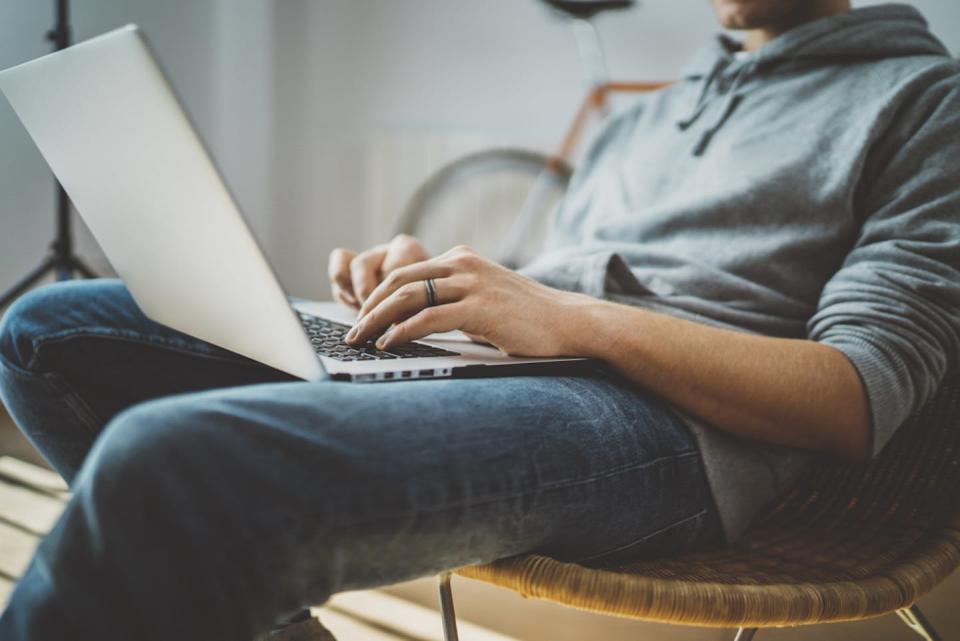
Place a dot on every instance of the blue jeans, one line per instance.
(213, 495)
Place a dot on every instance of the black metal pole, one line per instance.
(61, 261)
(61, 33)
(62, 246)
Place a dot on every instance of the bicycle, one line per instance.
(511, 232)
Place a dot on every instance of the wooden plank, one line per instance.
(28, 509)
(32, 475)
(409, 620)
(349, 629)
(16, 549)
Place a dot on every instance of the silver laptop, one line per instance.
(113, 131)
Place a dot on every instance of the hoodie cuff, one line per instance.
(883, 376)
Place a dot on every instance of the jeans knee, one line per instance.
(23, 322)
(153, 458)
(45, 312)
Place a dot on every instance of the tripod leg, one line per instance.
(80, 267)
(26, 283)
(63, 271)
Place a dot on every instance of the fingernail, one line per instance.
(352, 333)
(382, 341)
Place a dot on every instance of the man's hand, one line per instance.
(354, 276)
(487, 301)
(789, 391)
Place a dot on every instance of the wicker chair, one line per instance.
(848, 542)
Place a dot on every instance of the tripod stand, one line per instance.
(62, 262)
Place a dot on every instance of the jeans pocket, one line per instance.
(687, 534)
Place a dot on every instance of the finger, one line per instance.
(403, 250)
(432, 320)
(404, 276)
(402, 304)
(365, 271)
(344, 298)
(338, 270)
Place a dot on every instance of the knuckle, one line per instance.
(361, 261)
(371, 256)
(467, 260)
(430, 315)
(361, 275)
(407, 292)
(392, 279)
(470, 282)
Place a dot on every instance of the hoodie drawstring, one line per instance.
(733, 98)
(701, 103)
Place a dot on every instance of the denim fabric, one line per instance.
(212, 495)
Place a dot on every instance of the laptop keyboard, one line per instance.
(327, 339)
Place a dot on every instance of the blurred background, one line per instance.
(325, 115)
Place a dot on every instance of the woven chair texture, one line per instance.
(849, 541)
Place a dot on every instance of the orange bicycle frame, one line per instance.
(597, 100)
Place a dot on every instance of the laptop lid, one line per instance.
(112, 130)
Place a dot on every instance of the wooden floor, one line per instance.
(32, 497)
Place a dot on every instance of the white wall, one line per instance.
(290, 93)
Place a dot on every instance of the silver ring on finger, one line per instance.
(431, 288)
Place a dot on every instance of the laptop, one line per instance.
(110, 126)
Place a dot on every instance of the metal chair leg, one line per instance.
(918, 623)
(446, 608)
(745, 634)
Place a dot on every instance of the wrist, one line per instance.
(586, 325)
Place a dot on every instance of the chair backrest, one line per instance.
(848, 542)
(915, 478)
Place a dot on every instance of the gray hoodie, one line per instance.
(810, 189)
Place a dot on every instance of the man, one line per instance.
(763, 259)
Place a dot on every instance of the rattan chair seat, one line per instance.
(848, 542)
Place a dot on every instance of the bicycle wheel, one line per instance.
(497, 201)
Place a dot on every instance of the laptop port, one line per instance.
(406, 374)
(426, 372)
(388, 375)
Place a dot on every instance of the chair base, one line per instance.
(915, 620)
(446, 608)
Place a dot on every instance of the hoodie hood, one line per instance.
(869, 33)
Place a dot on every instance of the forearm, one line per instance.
(793, 392)
(786, 391)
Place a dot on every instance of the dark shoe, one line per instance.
(305, 629)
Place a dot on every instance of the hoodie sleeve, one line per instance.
(893, 308)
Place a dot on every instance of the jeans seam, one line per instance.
(152, 341)
(645, 537)
(86, 416)
(509, 497)
(89, 418)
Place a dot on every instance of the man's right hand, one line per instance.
(354, 276)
